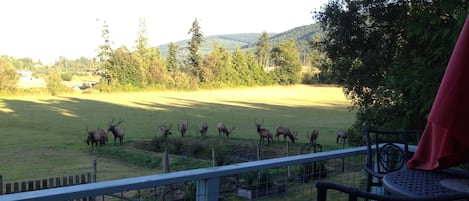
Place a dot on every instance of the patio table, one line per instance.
(426, 184)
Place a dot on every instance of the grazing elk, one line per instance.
(286, 132)
(203, 129)
(313, 136)
(342, 136)
(263, 133)
(222, 129)
(96, 137)
(165, 130)
(116, 130)
(182, 127)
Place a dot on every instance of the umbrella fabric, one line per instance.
(445, 140)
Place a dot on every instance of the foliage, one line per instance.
(379, 52)
(141, 159)
(171, 60)
(286, 59)
(8, 76)
(195, 43)
(263, 50)
(66, 76)
(55, 84)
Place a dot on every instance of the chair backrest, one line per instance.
(353, 194)
(392, 148)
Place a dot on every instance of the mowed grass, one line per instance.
(42, 136)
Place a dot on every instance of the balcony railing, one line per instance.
(285, 178)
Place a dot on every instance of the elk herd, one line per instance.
(99, 136)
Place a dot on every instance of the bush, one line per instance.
(67, 77)
(55, 84)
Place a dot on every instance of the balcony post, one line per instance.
(207, 189)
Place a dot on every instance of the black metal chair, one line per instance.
(353, 194)
(387, 151)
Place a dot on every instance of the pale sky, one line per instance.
(48, 29)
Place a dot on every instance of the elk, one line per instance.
(263, 133)
(286, 132)
(116, 130)
(203, 129)
(342, 136)
(96, 137)
(165, 130)
(182, 127)
(223, 130)
(313, 136)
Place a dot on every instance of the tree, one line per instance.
(105, 52)
(8, 76)
(171, 60)
(287, 64)
(55, 84)
(194, 45)
(240, 65)
(390, 56)
(142, 51)
(263, 50)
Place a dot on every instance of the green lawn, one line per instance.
(42, 136)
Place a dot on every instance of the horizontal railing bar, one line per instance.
(134, 183)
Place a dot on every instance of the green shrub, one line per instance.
(55, 84)
(67, 77)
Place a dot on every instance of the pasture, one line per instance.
(43, 136)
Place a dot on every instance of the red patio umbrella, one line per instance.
(445, 140)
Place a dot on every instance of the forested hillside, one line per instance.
(248, 41)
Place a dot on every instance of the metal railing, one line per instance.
(271, 179)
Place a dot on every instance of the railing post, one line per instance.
(207, 189)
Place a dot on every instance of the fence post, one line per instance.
(207, 189)
(214, 163)
(1, 185)
(93, 178)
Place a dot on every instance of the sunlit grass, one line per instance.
(42, 136)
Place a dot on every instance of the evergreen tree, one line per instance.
(104, 54)
(240, 65)
(287, 64)
(142, 52)
(195, 43)
(171, 60)
(263, 50)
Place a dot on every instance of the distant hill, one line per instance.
(248, 41)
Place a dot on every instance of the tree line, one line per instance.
(184, 67)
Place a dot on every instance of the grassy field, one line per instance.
(42, 136)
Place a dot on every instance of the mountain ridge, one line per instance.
(248, 41)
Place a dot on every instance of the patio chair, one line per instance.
(387, 151)
(353, 194)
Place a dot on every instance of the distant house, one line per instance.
(25, 74)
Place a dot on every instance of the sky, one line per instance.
(47, 29)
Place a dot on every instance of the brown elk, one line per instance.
(342, 136)
(222, 129)
(313, 136)
(203, 129)
(263, 133)
(165, 131)
(182, 127)
(286, 132)
(116, 130)
(96, 137)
